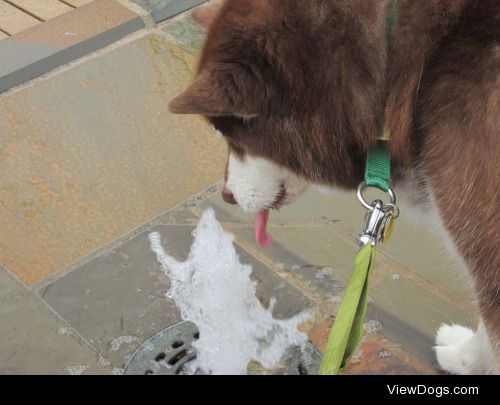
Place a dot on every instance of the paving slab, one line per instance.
(46, 46)
(162, 9)
(424, 251)
(8, 284)
(417, 307)
(33, 340)
(13, 20)
(93, 153)
(185, 31)
(19, 15)
(117, 301)
(42, 9)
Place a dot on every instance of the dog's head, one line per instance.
(295, 88)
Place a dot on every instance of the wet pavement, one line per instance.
(91, 162)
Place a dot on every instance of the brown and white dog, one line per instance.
(299, 89)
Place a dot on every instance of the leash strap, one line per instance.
(348, 328)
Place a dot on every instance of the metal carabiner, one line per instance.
(377, 218)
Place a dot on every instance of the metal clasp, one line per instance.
(378, 217)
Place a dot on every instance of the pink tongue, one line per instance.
(261, 235)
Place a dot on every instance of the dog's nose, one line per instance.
(228, 197)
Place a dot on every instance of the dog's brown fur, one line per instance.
(318, 81)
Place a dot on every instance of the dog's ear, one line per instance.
(205, 15)
(228, 91)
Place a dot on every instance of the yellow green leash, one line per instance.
(347, 330)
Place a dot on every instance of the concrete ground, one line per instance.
(91, 162)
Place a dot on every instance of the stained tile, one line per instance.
(8, 284)
(163, 9)
(289, 300)
(92, 153)
(419, 307)
(33, 340)
(186, 32)
(375, 355)
(410, 315)
(44, 47)
(118, 300)
(424, 251)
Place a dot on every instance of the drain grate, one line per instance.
(170, 351)
(166, 353)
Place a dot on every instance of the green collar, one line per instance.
(378, 165)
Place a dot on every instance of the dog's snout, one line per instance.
(228, 197)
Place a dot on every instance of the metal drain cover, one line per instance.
(166, 353)
(169, 351)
